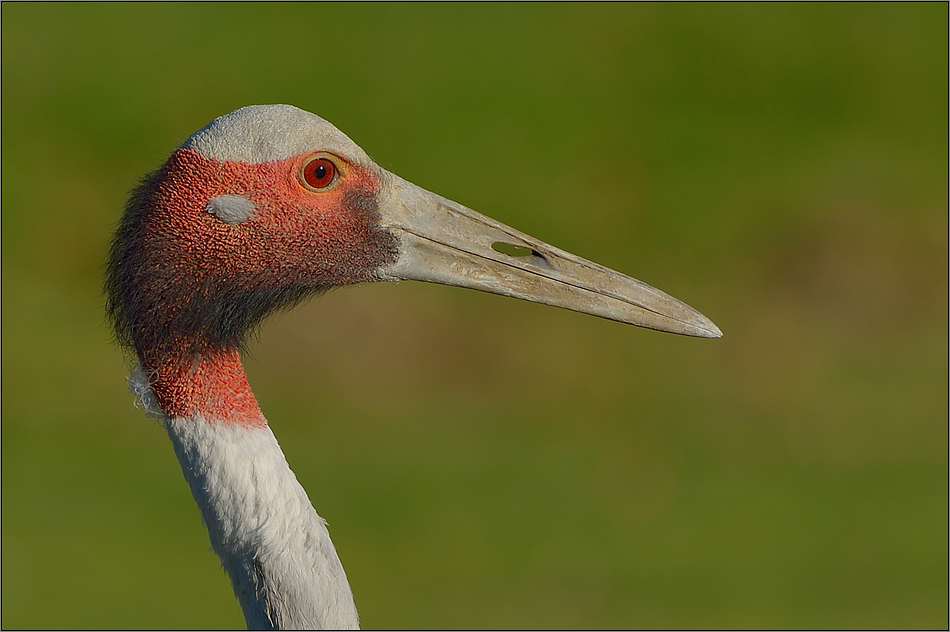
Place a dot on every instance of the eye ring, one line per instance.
(319, 173)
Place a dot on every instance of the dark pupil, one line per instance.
(320, 172)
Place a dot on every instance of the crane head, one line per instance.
(270, 204)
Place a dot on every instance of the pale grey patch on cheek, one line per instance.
(232, 209)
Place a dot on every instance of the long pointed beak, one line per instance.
(444, 242)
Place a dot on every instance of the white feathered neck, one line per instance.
(276, 549)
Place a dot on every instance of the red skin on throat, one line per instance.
(212, 385)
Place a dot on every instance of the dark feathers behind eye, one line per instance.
(153, 305)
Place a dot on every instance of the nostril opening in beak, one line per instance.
(512, 250)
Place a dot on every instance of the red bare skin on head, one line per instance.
(295, 235)
(190, 285)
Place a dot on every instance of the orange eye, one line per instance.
(319, 173)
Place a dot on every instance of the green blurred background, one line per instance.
(485, 462)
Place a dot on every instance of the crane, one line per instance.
(256, 211)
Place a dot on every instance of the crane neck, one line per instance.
(273, 545)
